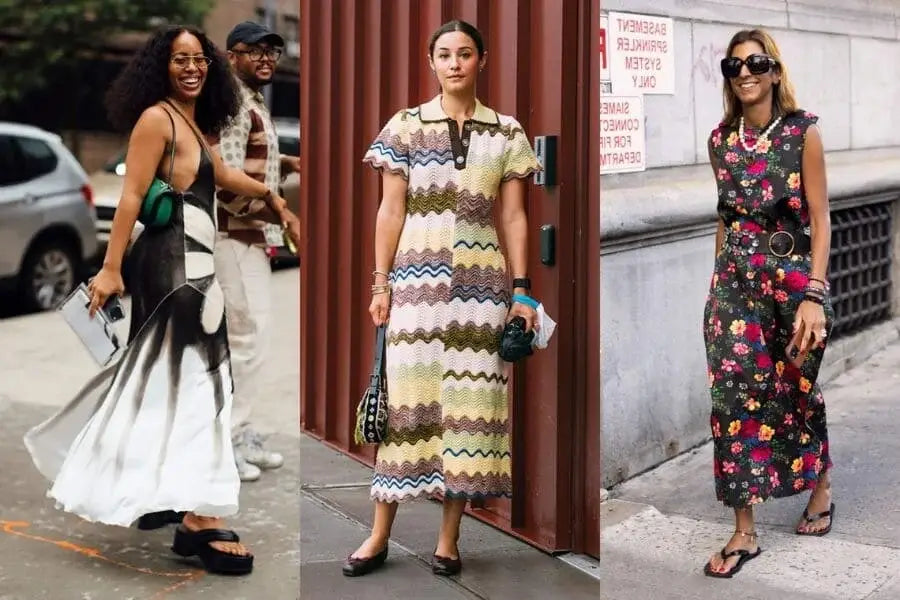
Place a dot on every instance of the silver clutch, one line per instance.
(96, 333)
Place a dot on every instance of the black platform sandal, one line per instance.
(196, 543)
(158, 520)
(808, 518)
(743, 555)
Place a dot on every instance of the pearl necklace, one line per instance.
(763, 135)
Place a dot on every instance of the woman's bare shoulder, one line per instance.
(154, 119)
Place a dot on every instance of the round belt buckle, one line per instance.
(772, 244)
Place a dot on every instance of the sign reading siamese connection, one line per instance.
(622, 134)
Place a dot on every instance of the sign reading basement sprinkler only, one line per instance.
(641, 54)
(622, 141)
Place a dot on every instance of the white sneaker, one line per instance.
(246, 471)
(255, 454)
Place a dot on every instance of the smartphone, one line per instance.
(113, 309)
(794, 355)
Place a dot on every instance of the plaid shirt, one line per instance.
(249, 142)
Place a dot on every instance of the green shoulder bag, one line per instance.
(158, 205)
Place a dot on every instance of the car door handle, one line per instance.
(29, 199)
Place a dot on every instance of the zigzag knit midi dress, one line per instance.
(446, 383)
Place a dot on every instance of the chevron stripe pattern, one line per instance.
(448, 413)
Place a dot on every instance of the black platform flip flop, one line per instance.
(828, 514)
(744, 557)
(196, 543)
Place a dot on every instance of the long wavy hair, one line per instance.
(783, 98)
(145, 81)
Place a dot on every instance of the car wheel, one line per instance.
(48, 275)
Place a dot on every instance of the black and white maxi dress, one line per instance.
(151, 432)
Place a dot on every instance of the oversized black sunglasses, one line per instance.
(757, 64)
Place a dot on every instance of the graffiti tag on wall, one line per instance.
(706, 64)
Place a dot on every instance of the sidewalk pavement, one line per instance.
(46, 554)
(660, 528)
(336, 515)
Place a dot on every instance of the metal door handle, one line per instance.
(548, 244)
(29, 199)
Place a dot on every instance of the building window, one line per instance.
(291, 34)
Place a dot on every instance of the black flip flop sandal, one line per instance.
(744, 556)
(828, 514)
(196, 543)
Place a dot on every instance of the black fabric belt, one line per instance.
(778, 243)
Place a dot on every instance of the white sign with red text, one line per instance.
(622, 134)
(641, 53)
(603, 44)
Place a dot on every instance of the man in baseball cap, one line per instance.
(246, 229)
(251, 33)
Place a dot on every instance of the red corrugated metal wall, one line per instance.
(360, 62)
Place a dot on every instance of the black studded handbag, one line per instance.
(372, 411)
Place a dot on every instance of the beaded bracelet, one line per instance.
(815, 299)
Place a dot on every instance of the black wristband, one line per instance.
(522, 282)
(812, 298)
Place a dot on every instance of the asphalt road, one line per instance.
(46, 554)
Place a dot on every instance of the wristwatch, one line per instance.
(521, 282)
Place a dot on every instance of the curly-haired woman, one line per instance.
(151, 434)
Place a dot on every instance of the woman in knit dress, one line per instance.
(442, 286)
(768, 314)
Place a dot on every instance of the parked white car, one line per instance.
(48, 233)
(107, 183)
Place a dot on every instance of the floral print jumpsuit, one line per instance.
(768, 416)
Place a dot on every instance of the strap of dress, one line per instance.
(203, 144)
(171, 150)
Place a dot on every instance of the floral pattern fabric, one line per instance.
(768, 416)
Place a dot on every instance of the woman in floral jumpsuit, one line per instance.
(768, 314)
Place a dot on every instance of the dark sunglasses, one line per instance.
(757, 64)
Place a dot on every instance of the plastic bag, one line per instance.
(545, 325)
(544, 331)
